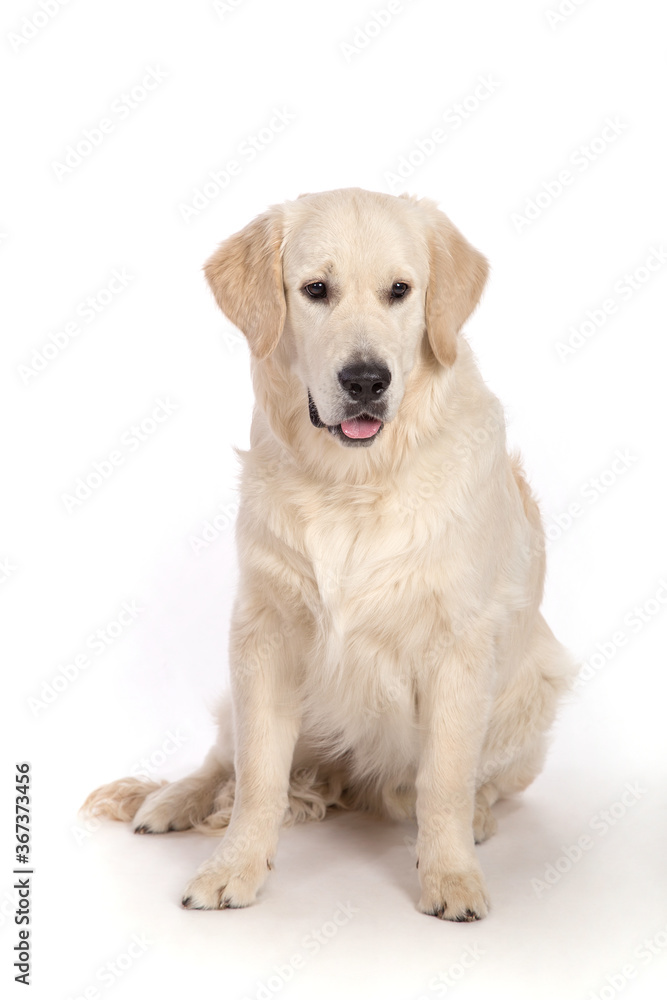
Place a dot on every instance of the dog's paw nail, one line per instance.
(185, 902)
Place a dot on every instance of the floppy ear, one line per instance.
(457, 276)
(246, 276)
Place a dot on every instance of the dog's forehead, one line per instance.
(353, 229)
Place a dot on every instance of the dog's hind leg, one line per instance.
(155, 807)
(187, 803)
(484, 822)
(160, 807)
(204, 799)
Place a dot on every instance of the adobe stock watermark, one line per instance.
(490, 769)
(398, 691)
(643, 955)
(81, 832)
(590, 493)
(232, 338)
(149, 766)
(246, 153)
(468, 441)
(146, 767)
(7, 569)
(122, 107)
(579, 161)
(599, 825)
(441, 984)
(131, 441)
(623, 290)
(310, 945)
(8, 907)
(224, 7)
(400, 688)
(452, 119)
(85, 312)
(366, 32)
(211, 529)
(95, 645)
(107, 975)
(634, 621)
(33, 24)
(266, 647)
(562, 12)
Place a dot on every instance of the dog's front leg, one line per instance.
(453, 704)
(266, 721)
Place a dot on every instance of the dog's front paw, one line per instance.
(457, 896)
(219, 885)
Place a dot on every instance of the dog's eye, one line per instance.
(316, 290)
(399, 289)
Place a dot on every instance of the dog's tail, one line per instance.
(120, 799)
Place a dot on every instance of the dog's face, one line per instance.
(355, 284)
(353, 281)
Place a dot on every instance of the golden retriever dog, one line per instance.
(387, 650)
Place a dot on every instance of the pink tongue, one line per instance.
(360, 427)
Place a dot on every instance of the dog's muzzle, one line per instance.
(359, 429)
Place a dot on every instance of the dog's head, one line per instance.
(350, 283)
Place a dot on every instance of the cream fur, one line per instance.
(387, 650)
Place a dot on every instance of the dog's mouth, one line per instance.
(359, 430)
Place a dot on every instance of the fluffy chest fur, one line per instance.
(384, 586)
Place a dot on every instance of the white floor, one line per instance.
(576, 874)
(115, 604)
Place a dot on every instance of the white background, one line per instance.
(356, 112)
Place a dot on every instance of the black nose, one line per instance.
(365, 382)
